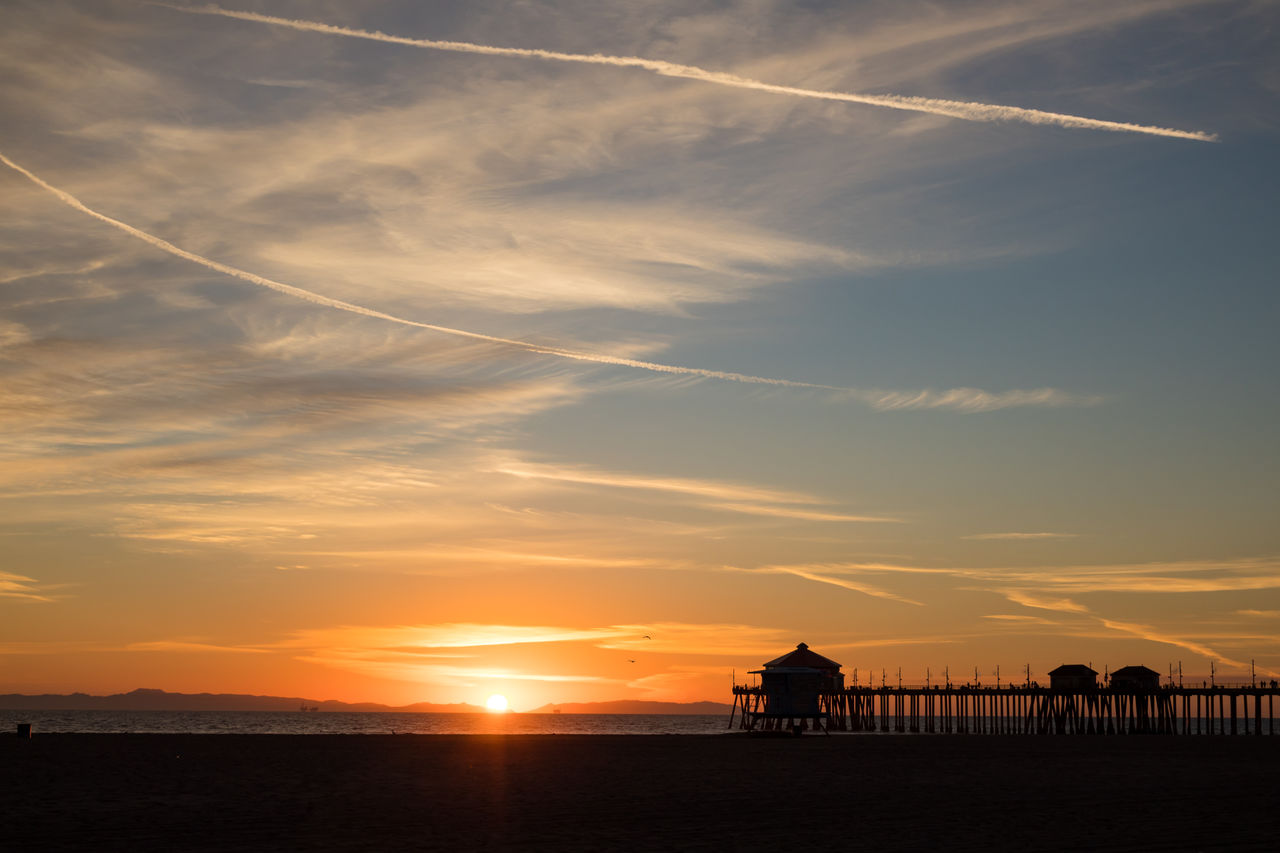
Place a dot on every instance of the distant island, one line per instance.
(160, 700)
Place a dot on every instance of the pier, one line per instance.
(1017, 710)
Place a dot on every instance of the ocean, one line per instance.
(359, 723)
(383, 723)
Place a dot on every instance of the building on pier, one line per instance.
(1135, 678)
(791, 697)
(1073, 676)
(794, 684)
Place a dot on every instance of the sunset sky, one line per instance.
(338, 362)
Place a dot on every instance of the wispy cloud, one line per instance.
(1016, 536)
(384, 665)
(1134, 629)
(974, 399)
(1018, 618)
(675, 684)
(1188, 576)
(411, 652)
(1146, 632)
(684, 638)
(967, 110)
(185, 646)
(804, 514)
(1062, 605)
(449, 635)
(719, 490)
(720, 495)
(833, 574)
(22, 587)
(963, 399)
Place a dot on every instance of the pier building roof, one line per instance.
(1074, 669)
(1135, 678)
(1073, 676)
(1135, 671)
(803, 656)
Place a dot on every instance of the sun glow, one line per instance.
(497, 702)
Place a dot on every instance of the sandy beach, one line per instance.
(551, 792)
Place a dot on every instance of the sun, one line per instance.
(496, 702)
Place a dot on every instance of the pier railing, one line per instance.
(1219, 710)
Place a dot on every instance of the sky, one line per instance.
(578, 351)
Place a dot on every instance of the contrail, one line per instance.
(964, 399)
(967, 110)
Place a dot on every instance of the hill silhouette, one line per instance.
(144, 699)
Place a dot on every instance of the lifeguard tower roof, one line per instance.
(803, 657)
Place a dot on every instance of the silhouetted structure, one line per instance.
(1135, 678)
(802, 689)
(1073, 676)
(793, 688)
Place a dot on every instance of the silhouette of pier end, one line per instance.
(803, 690)
(795, 690)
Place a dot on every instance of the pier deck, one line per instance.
(966, 709)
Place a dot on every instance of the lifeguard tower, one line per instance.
(797, 690)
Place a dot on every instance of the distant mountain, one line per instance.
(160, 700)
(634, 706)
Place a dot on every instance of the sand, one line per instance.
(563, 792)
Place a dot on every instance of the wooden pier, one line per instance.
(1023, 710)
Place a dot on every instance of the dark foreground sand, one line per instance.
(563, 792)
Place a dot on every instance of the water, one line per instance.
(358, 723)
(369, 723)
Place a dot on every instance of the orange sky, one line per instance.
(346, 369)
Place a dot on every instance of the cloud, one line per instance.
(719, 495)
(684, 638)
(1016, 536)
(678, 682)
(408, 652)
(1146, 632)
(1062, 605)
(718, 490)
(830, 573)
(804, 514)
(380, 666)
(963, 399)
(412, 652)
(448, 635)
(967, 110)
(876, 642)
(22, 587)
(973, 399)
(1190, 576)
(185, 646)
(1018, 618)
